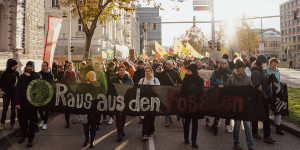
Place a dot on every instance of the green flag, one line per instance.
(110, 54)
(207, 54)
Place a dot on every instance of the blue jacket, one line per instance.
(220, 76)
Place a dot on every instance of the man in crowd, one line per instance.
(46, 74)
(199, 65)
(170, 77)
(26, 111)
(139, 73)
(217, 78)
(82, 71)
(89, 66)
(8, 84)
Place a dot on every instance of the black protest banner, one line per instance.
(243, 103)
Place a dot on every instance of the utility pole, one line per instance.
(69, 34)
(194, 21)
(212, 9)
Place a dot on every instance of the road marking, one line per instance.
(151, 143)
(122, 145)
(107, 135)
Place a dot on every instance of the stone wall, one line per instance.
(33, 49)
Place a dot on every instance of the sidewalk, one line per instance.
(7, 133)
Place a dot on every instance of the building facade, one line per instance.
(148, 16)
(22, 32)
(290, 29)
(272, 42)
(114, 34)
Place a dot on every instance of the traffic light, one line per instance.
(218, 46)
(295, 15)
(153, 26)
(210, 44)
(72, 49)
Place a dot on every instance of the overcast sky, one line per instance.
(224, 9)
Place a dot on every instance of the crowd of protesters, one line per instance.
(171, 72)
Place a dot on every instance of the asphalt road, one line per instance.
(57, 137)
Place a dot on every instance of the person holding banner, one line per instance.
(273, 70)
(70, 77)
(191, 79)
(26, 111)
(122, 78)
(46, 74)
(139, 73)
(90, 121)
(259, 81)
(170, 77)
(239, 78)
(148, 121)
(217, 78)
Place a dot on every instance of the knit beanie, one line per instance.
(170, 62)
(10, 63)
(30, 63)
(261, 59)
(223, 61)
(239, 64)
(193, 68)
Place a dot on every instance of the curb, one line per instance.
(291, 128)
(9, 136)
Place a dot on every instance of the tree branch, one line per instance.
(94, 23)
(85, 27)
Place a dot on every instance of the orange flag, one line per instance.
(145, 56)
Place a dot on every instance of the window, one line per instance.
(54, 3)
(80, 26)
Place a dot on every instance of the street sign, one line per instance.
(201, 8)
(216, 55)
(261, 46)
(201, 2)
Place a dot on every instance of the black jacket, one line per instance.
(8, 82)
(231, 65)
(258, 78)
(21, 90)
(47, 75)
(125, 80)
(138, 74)
(192, 84)
(173, 74)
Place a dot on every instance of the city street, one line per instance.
(290, 76)
(57, 137)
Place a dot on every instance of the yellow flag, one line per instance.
(237, 54)
(192, 51)
(159, 49)
(178, 47)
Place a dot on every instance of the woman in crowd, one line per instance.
(240, 78)
(272, 69)
(121, 78)
(148, 121)
(191, 79)
(90, 121)
(259, 81)
(70, 77)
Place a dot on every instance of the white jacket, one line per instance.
(153, 81)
